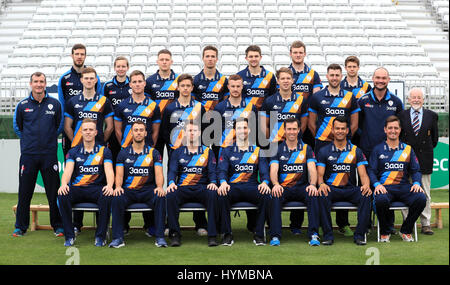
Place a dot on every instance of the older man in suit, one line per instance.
(420, 130)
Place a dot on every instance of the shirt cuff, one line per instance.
(417, 183)
(222, 181)
(266, 181)
(170, 182)
(376, 184)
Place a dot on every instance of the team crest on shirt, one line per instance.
(129, 160)
(390, 102)
(148, 159)
(344, 101)
(265, 82)
(202, 159)
(350, 156)
(147, 111)
(194, 113)
(404, 155)
(50, 106)
(130, 91)
(283, 158)
(253, 157)
(55, 167)
(245, 114)
(276, 107)
(97, 158)
(98, 105)
(332, 158)
(296, 106)
(301, 156)
(308, 77)
(233, 158)
(182, 161)
(383, 156)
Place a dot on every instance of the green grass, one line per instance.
(42, 247)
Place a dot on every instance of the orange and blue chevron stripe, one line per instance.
(136, 182)
(298, 157)
(93, 159)
(395, 177)
(199, 160)
(341, 178)
(248, 158)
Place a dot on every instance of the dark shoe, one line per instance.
(212, 241)
(258, 241)
(427, 230)
(360, 242)
(228, 240)
(327, 242)
(175, 239)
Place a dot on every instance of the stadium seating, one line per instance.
(331, 29)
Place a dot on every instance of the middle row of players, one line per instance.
(194, 173)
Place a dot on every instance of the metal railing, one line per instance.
(436, 94)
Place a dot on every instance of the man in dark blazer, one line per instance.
(420, 130)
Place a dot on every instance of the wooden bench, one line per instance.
(438, 216)
(34, 216)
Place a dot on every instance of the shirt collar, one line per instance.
(306, 69)
(84, 151)
(280, 98)
(127, 81)
(298, 148)
(191, 103)
(251, 148)
(262, 74)
(32, 98)
(95, 98)
(145, 151)
(345, 83)
(199, 150)
(72, 69)
(217, 75)
(420, 111)
(348, 147)
(328, 94)
(388, 148)
(386, 97)
(241, 105)
(145, 102)
(171, 76)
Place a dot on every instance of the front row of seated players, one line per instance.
(192, 177)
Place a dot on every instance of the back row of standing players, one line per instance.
(211, 87)
(122, 100)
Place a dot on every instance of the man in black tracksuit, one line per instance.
(37, 122)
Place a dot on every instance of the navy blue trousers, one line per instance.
(296, 193)
(184, 194)
(345, 194)
(29, 166)
(416, 202)
(244, 192)
(128, 197)
(80, 195)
